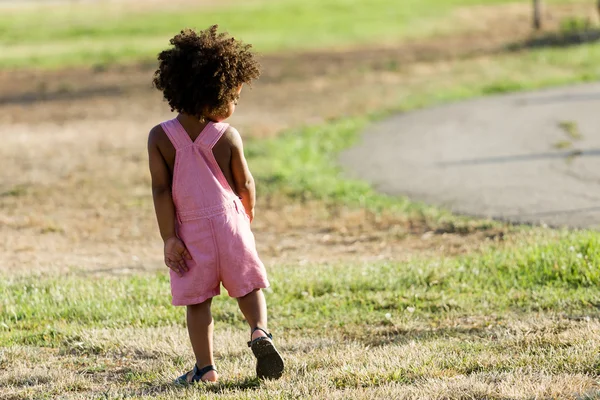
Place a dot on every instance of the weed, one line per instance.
(562, 144)
(571, 129)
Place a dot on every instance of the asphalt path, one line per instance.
(526, 157)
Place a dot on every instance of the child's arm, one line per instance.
(242, 178)
(175, 250)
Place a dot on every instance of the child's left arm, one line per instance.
(175, 250)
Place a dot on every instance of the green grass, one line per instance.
(93, 326)
(96, 34)
(550, 272)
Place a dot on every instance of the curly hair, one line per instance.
(202, 71)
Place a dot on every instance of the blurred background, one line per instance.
(76, 103)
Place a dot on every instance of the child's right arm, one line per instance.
(175, 250)
(242, 178)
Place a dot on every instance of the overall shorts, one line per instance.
(211, 222)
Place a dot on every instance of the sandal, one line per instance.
(269, 364)
(197, 375)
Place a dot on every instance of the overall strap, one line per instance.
(212, 133)
(177, 135)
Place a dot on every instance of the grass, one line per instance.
(83, 34)
(571, 129)
(119, 329)
(508, 320)
(562, 145)
(509, 279)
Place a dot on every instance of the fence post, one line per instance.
(537, 14)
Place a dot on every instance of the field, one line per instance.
(372, 296)
(118, 31)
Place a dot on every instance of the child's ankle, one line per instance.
(258, 333)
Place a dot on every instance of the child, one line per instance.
(204, 193)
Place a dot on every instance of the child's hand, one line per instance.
(176, 254)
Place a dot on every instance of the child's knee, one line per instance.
(252, 293)
(200, 306)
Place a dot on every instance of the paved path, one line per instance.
(531, 157)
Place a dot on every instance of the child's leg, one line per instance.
(254, 308)
(269, 364)
(200, 328)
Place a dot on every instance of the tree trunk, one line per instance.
(537, 14)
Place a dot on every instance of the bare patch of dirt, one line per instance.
(74, 186)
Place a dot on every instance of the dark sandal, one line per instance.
(269, 364)
(197, 375)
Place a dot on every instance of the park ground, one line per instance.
(372, 296)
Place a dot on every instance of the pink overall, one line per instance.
(211, 221)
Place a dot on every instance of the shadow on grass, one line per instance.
(558, 39)
(403, 336)
(249, 383)
(483, 331)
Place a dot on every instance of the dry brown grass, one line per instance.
(542, 357)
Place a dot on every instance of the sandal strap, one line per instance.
(199, 373)
(258, 328)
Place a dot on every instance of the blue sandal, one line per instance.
(269, 364)
(197, 375)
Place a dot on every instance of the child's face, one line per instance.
(230, 109)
